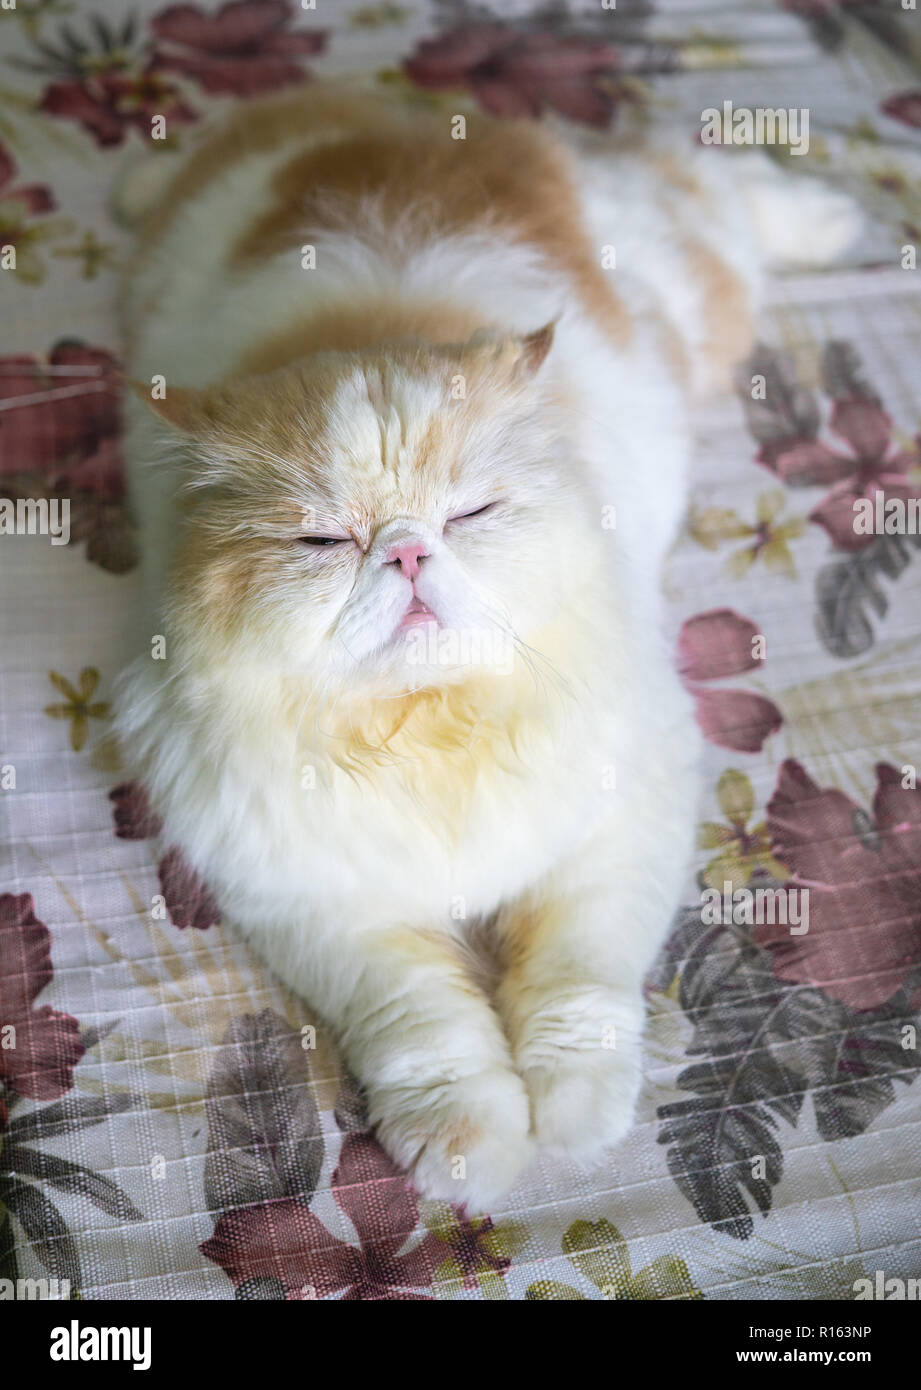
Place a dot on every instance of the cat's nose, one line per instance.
(408, 555)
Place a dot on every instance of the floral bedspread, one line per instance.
(173, 1123)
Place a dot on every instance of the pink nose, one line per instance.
(407, 556)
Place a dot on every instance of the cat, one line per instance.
(410, 445)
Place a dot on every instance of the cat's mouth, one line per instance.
(416, 614)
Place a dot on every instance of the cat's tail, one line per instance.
(696, 230)
(139, 186)
(799, 222)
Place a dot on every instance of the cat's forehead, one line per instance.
(393, 428)
(370, 433)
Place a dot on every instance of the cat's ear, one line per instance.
(514, 358)
(178, 406)
(535, 347)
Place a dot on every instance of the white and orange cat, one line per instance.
(404, 505)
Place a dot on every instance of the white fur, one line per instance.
(331, 882)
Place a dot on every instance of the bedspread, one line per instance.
(173, 1122)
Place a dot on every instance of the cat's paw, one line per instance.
(462, 1141)
(583, 1102)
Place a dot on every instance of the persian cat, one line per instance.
(411, 448)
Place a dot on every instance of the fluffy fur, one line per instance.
(457, 377)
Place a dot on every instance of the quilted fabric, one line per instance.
(173, 1123)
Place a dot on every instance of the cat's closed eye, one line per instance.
(477, 511)
(332, 542)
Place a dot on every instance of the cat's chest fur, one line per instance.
(464, 841)
(469, 825)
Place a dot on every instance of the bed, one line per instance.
(173, 1122)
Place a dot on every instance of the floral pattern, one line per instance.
(864, 876)
(871, 466)
(904, 106)
(59, 434)
(283, 1241)
(788, 424)
(187, 899)
(598, 1252)
(511, 72)
(40, 1048)
(24, 221)
(717, 644)
(779, 1015)
(104, 83)
(132, 1023)
(78, 706)
(767, 538)
(742, 850)
(246, 47)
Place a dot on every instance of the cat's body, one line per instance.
(358, 787)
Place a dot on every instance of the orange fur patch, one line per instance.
(254, 127)
(350, 329)
(506, 175)
(728, 313)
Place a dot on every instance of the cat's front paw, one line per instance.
(583, 1101)
(462, 1141)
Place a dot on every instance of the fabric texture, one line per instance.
(173, 1122)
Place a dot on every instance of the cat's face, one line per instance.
(376, 521)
